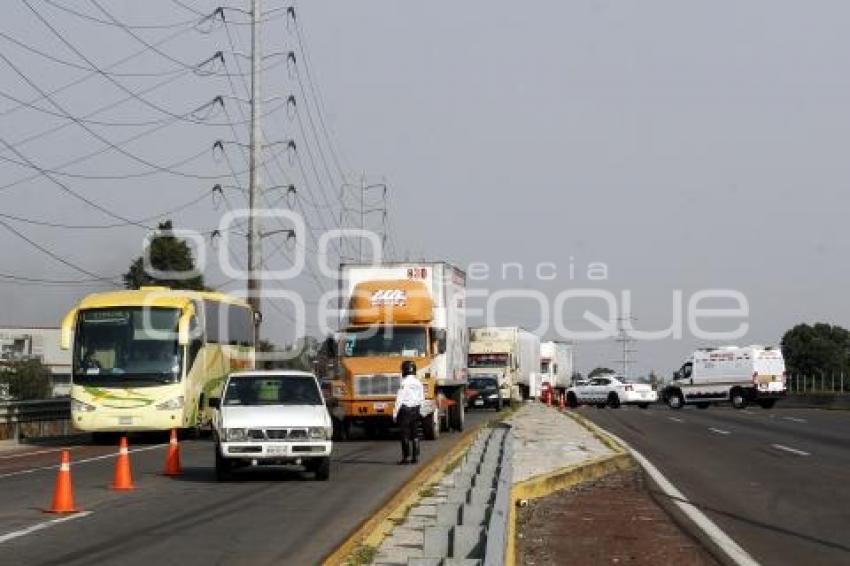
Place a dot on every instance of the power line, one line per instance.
(192, 21)
(138, 223)
(53, 255)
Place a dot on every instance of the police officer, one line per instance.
(409, 398)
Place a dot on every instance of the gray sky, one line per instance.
(687, 145)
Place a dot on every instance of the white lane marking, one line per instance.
(791, 450)
(723, 541)
(41, 526)
(676, 419)
(719, 431)
(33, 453)
(795, 419)
(78, 462)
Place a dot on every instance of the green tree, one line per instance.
(815, 349)
(600, 371)
(300, 356)
(166, 253)
(27, 379)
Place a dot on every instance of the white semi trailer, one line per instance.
(509, 353)
(556, 365)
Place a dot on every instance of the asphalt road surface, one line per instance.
(777, 481)
(264, 516)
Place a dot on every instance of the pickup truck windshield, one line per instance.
(272, 390)
(398, 341)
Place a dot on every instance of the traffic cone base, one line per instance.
(63, 493)
(123, 478)
(172, 458)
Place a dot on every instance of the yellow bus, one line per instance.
(150, 359)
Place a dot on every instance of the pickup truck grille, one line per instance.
(380, 384)
(278, 434)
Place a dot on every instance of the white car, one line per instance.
(611, 391)
(272, 417)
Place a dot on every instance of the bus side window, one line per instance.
(195, 345)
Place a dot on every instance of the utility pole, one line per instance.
(255, 256)
(626, 341)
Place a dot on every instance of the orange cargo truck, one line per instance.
(393, 312)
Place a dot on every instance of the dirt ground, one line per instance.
(610, 521)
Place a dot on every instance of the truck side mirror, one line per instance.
(677, 375)
(439, 337)
(214, 402)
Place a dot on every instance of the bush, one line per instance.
(27, 379)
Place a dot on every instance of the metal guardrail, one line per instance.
(33, 411)
(17, 414)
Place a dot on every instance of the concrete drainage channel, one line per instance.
(464, 518)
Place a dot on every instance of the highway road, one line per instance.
(775, 480)
(264, 516)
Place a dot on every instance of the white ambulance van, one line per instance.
(738, 375)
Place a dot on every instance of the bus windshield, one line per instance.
(127, 346)
(398, 341)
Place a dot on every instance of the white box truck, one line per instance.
(509, 353)
(738, 375)
(393, 312)
(556, 365)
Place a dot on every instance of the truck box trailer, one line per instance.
(511, 354)
(556, 365)
(393, 312)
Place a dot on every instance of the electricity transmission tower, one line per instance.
(626, 341)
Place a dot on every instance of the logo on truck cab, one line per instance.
(394, 297)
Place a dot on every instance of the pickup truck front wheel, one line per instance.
(322, 469)
(223, 466)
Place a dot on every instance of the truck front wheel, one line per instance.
(675, 400)
(431, 425)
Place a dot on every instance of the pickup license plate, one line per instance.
(643, 394)
(380, 407)
(125, 420)
(479, 402)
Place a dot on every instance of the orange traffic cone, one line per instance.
(123, 478)
(63, 493)
(172, 458)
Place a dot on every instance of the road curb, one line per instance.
(681, 511)
(372, 530)
(564, 478)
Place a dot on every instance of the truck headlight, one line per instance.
(171, 404)
(236, 434)
(78, 406)
(319, 433)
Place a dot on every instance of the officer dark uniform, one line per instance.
(408, 400)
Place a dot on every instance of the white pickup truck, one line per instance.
(611, 391)
(272, 417)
